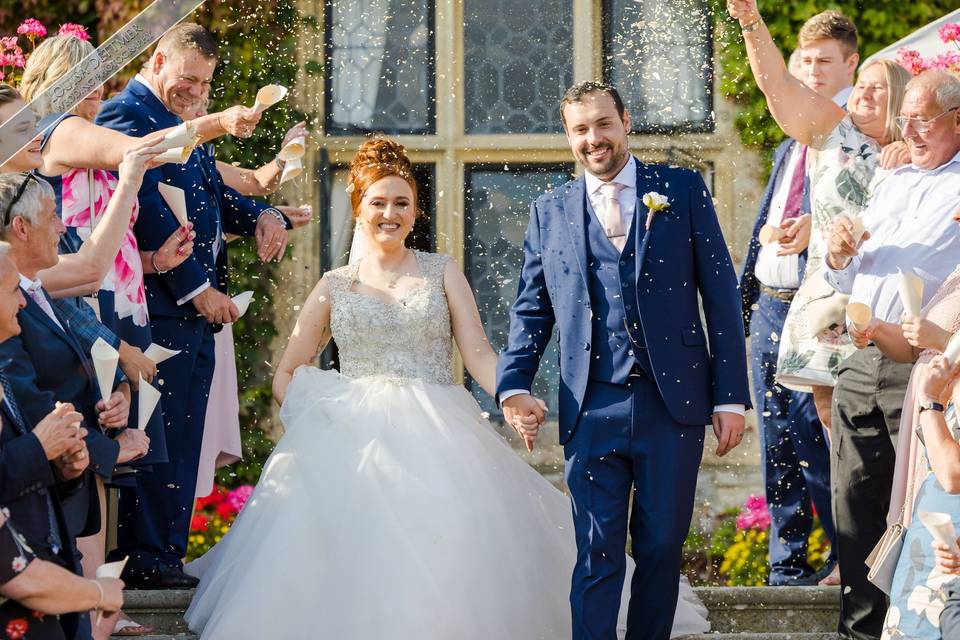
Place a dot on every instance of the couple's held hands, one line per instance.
(525, 414)
(215, 306)
(271, 237)
(796, 236)
(842, 246)
(728, 427)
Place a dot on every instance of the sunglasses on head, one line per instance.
(5, 221)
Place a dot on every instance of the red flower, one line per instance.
(17, 628)
(75, 30)
(225, 510)
(199, 522)
(32, 28)
(217, 496)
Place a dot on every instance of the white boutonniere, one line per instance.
(654, 202)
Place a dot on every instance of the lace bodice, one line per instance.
(406, 340)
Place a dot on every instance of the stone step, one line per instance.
(745, 613)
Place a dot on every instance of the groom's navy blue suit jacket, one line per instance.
(683, 254)
(212, 206)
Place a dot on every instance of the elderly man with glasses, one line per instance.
(910, 228)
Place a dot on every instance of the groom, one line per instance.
(637, 380)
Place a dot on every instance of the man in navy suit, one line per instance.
(637, 379)
(188, 303)
(40, 463)
(795, 456)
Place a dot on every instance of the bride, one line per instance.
(390, 508)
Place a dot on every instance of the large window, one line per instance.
(380, 62)
(497, 212)
(517, 62)
(659, 55)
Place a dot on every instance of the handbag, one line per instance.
(885, 556)
(822, 307)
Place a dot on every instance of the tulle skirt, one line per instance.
(394, 510)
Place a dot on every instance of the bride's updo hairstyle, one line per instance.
(378, 158)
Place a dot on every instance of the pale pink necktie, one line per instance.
(612, 216)
(34, 292)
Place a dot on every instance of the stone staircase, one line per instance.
(736, 613)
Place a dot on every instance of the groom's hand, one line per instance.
(524, 413)
(728, 427)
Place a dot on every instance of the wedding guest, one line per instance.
(910, 228)
(794, 453)
(34, 592)
(188, 303)
(221, 444)
(847, 146)
(46, 363)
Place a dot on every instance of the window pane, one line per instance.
(518, 61)
(380, 61)
(639, 36)
(497, 212)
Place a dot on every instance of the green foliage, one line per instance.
(880, 23)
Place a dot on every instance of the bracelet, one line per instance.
(280, 163)
(153, 263)
(276, 214)
(753, 26)
(102, 596)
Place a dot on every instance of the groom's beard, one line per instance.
(608, 166)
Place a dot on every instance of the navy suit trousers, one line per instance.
(626, 440)
(155, 515)
(795, 457)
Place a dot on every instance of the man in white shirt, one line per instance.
(911, 227)
(795, 454)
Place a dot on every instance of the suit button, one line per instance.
(42, 491)
(628, 307)
(623, 263)
(586, 346)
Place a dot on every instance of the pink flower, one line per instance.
(9, 42)
(950, 32)
(912, 61)
(755, 514)
(948, 61)
(32, 28)
(239, 496)
(75, 30)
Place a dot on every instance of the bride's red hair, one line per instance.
(378, 158)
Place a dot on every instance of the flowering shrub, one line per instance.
(213, 516)
(916, 64)
(735, 551)
(12, 56)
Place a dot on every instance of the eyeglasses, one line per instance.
(19, 194)
(920, 126)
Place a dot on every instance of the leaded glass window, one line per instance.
(497, 213)
(518, 61)
(659, 56)
(380, 66)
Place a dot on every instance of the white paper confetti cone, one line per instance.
(105, 359)
(177, 155)
(294, 149)
(176, 200)
(770, 234)
(859, 314)
(112, 569)
(149, 397)
(183, 135)
(940, 526)
(911, 292)
(158, 354)
(269, 96)
(858, 229)
(952, 352)
(242, 300)
(291, 170)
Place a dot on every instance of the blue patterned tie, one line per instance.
(8, 398)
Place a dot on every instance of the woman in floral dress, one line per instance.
(845, 153)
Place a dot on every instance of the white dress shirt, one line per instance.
(34, 289)
(780, 272)
(628, 205)
(910, 219)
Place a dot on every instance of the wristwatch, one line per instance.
(930, 405)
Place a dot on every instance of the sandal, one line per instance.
(127, 627)
(833, 578)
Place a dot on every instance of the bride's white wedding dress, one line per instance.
(391, 508)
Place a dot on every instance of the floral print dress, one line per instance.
(842, 172)
(16, 621)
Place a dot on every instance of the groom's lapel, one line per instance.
(575, 212)
(645, 184)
